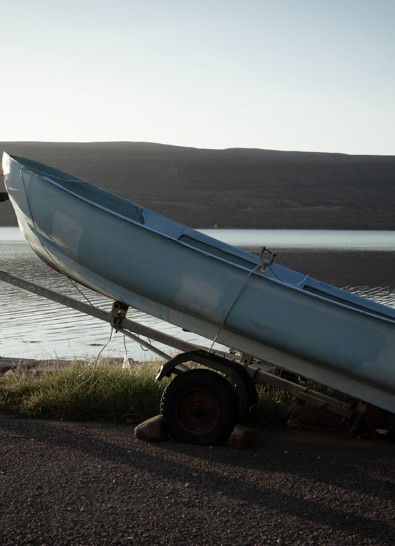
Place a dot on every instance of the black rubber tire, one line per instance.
(199, 407)
(249, 401)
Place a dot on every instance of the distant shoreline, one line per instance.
(233, 188)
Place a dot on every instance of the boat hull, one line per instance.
(174, 273)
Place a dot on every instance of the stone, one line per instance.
(151, 430)
(243, 437)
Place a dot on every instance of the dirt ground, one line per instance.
(78, 483)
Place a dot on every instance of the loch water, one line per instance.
(362, 262)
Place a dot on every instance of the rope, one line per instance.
(300, 283)
(256, 268)
(104, 347)
(75, 285)
(126, 359)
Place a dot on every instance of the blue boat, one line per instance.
(225, 294)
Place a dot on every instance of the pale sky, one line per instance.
(311, 75)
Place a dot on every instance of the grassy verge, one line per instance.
(109, 393)
(106, 392)
(84, 392)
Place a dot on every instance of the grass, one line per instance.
(275, 407)
(109, 393)
(84, 392)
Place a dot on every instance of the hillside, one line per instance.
(233, 188)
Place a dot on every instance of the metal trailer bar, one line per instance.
(220, 361)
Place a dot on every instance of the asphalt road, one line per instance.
(72, 483)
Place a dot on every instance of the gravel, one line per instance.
(88, 483)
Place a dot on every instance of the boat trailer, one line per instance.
(201, 404)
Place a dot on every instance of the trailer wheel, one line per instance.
(199, 407)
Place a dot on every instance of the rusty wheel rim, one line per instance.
(198, 412)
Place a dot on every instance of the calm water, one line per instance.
(33, 327)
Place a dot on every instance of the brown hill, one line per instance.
(233, 188)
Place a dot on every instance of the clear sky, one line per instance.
(313, 75)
